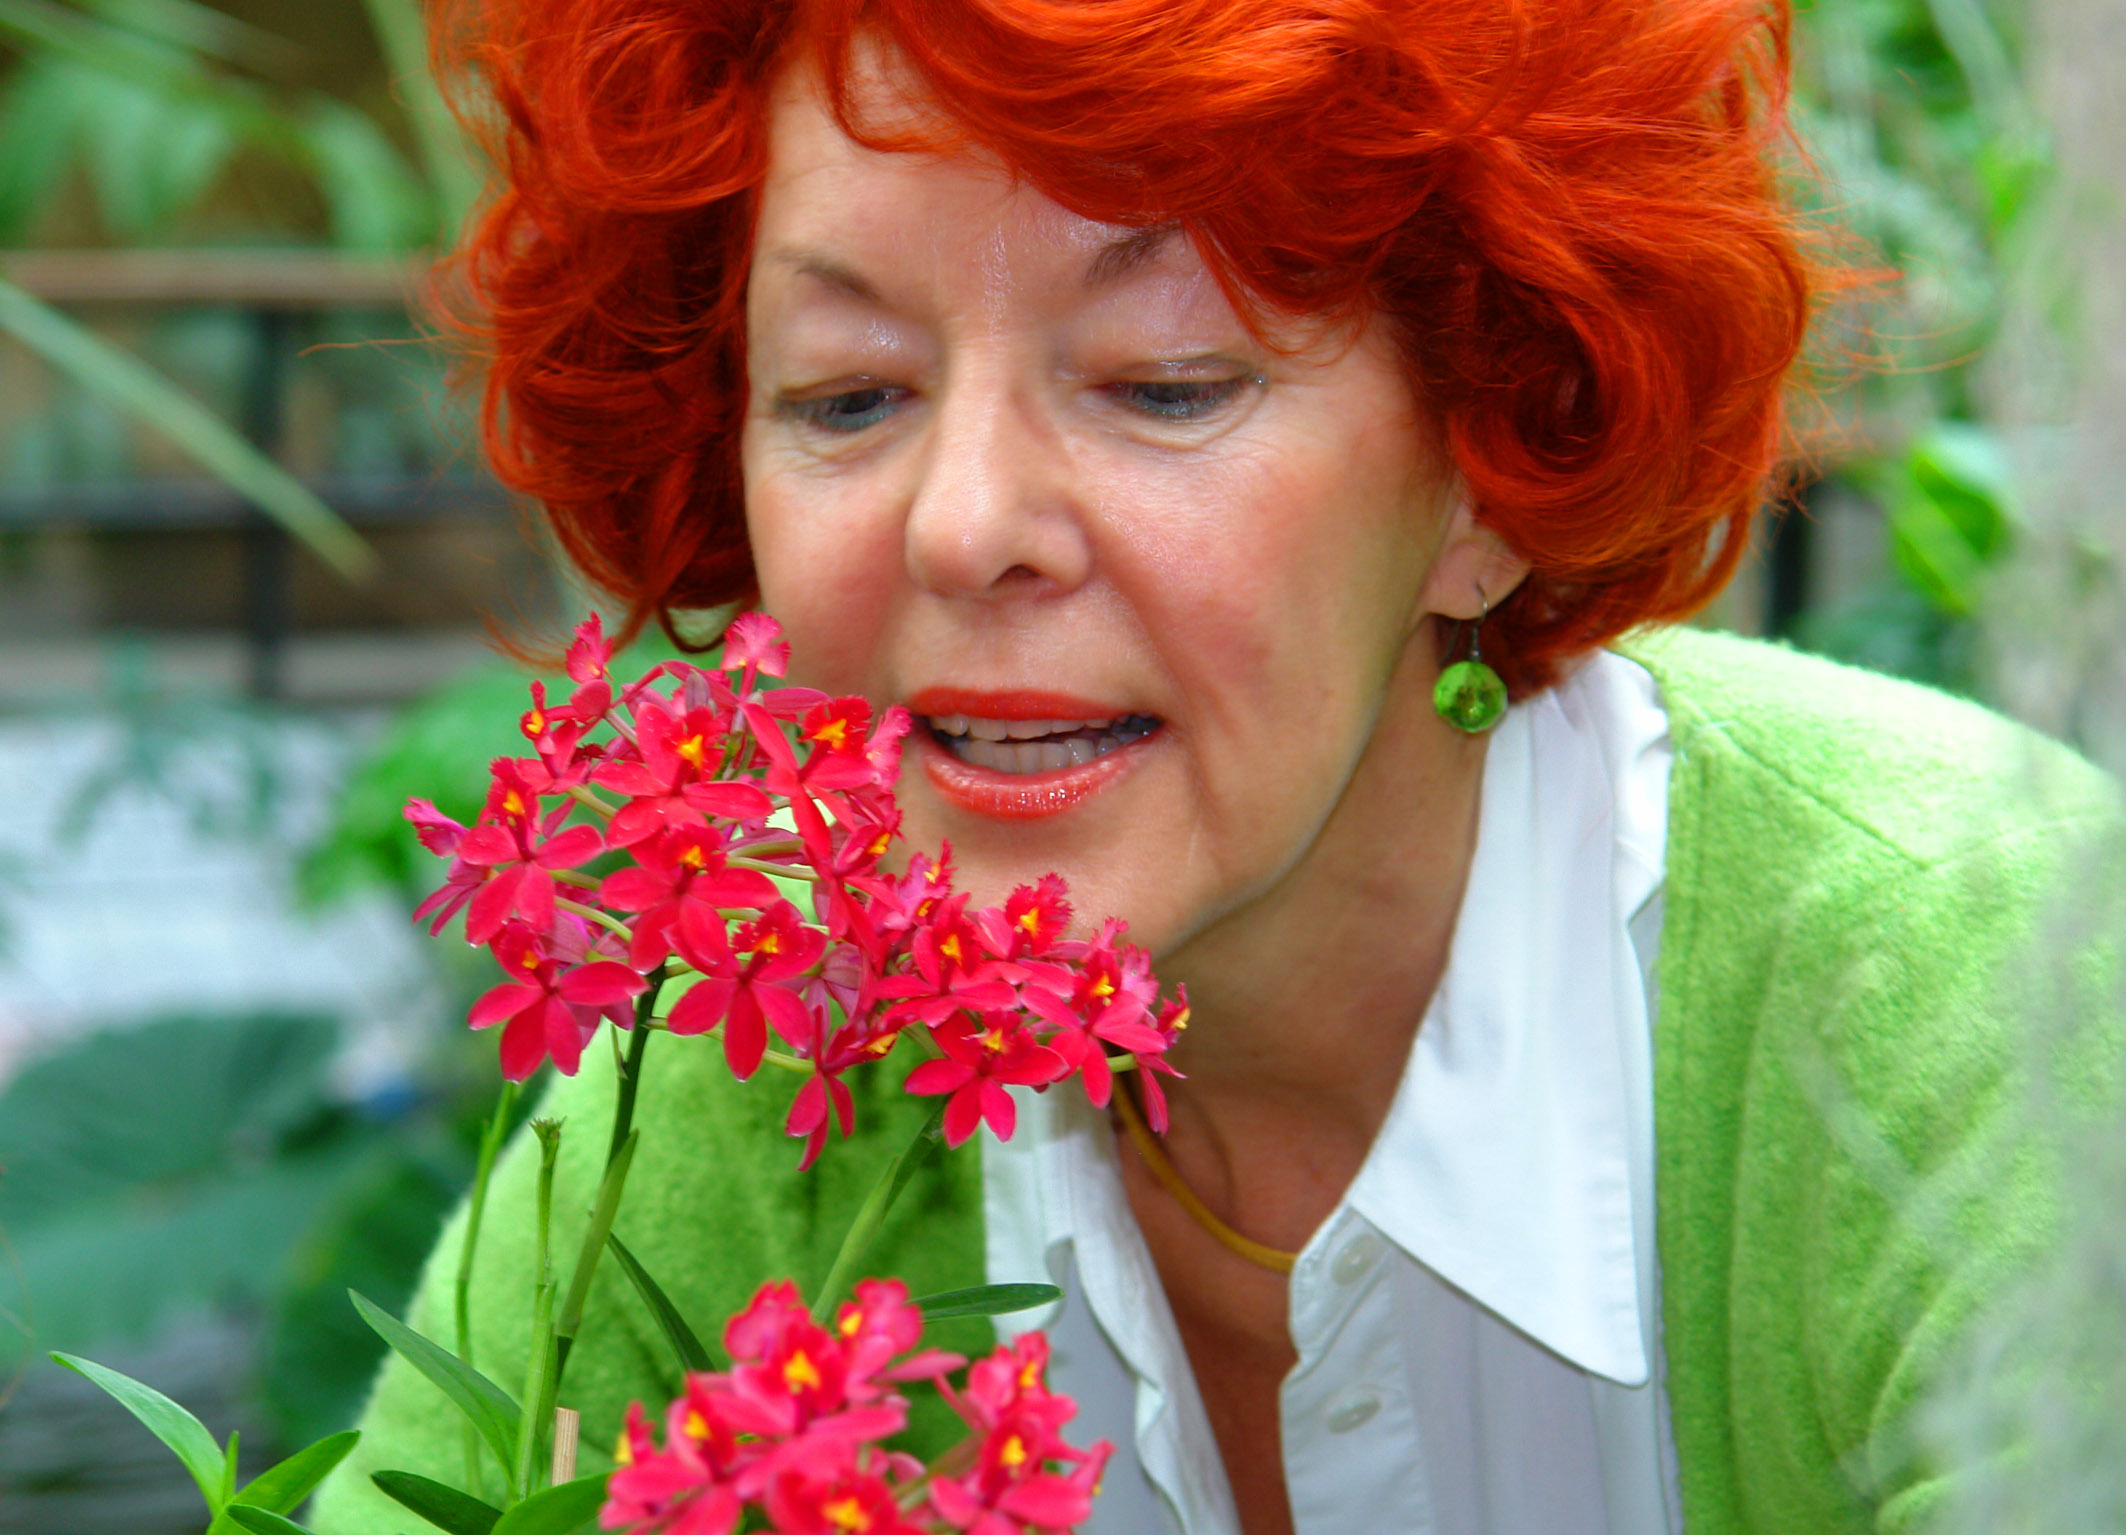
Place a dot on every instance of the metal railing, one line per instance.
(272, 290)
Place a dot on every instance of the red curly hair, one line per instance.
(1569, 209)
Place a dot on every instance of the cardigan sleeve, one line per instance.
(1889, 985)
(714, 1207)
(1953, 1073)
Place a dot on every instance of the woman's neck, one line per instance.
(1305, 1001)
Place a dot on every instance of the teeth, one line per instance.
(1066, 744)
(1037, 746)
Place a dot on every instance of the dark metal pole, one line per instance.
(267, 556)
(1787, 561)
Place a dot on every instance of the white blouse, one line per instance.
(1477, 1322)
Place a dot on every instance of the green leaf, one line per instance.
(196, 1149)
(201, 28)
(556, 1511)
(491, 1410)
(375, 200)
(183, 1433)
(444, 1507)
(988, 1300)
(260, 1522)
(447, 153)
(280, 1489)
(125, 380)
(41, 120)
(686, 1344)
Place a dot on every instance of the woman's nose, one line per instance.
(997, 510)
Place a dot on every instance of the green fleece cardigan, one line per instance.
(1859, 876)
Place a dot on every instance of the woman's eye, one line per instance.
(1181, 399)
(850, 411)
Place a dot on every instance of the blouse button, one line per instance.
(1353, 1409)
(1358, 1255)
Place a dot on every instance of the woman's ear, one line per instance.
(1474, 568)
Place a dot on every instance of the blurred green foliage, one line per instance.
(163, 108)
(201, 1164)
(1929, 162)
(185, 125)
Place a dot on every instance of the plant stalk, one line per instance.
(570, 1320)
(539, 1370)
(490, 1145)
(631, 1071)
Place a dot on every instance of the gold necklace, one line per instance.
(1169, 1179)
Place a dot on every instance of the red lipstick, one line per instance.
(1017, 796)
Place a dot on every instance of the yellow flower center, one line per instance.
(512, 802)
(1030, 921)
(1103, 988)
(1012, 1453)
(834, 734)
(951, 949)
(851, 1323)
(694, 749)
(1030, 1374)
(769, 944)
(993, 1041)
(694, 858)
(534, 723)
(799, 1373)
(847, 1514)
(623, 1452)
(697, 1427)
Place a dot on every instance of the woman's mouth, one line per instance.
(1024, 755)
(1036, 746)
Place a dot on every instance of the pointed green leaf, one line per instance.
(126, 381)
(491, 1410)
(693, 1355)
(444, 1507)
(183, 1433)
(988, 1300)
(260, 1522)
(281, 1489)
(557, 1511)
(446, 151)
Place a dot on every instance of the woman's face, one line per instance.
(1030, 476)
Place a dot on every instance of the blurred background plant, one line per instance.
(234, 1082)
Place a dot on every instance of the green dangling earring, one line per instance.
(1469, 695)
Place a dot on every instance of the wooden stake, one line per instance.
(566, 1429)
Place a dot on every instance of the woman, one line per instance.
(1157, 399)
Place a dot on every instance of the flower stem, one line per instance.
(631, 1073)
(877, 1205)
(490, 1144)
(576, 877)
(604, 918)
(570, 1320)
(584, 797)
(768, 866)
(539, 1369)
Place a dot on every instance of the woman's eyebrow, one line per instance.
(1125, 254)
(1129, 252)
(825, 269)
